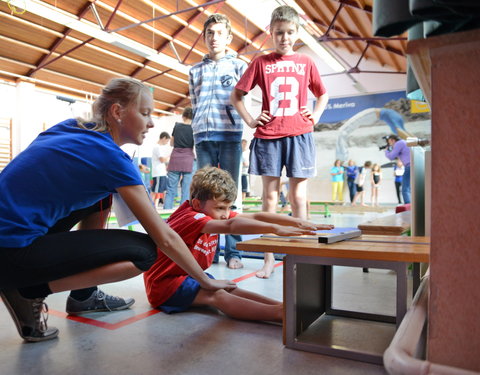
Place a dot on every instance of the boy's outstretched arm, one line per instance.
(243, 225)
(280, 219)
(236, 99)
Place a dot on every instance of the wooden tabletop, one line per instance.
(389, 248)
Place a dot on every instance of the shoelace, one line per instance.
(102, 296)
(40, 313)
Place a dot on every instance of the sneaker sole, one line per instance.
(123, 307)
(19, 327)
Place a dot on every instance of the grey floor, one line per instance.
(143, 341)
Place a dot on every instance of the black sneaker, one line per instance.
(30, 316)
(98, 301)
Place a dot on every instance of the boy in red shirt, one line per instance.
(198, 222)
(283, 135)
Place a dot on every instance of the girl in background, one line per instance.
(375, 179)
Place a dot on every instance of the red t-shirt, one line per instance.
(284, 81)
(165, 277)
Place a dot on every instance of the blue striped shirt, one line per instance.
(211, 83)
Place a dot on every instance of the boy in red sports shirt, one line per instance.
(283, 136)
(198, 222)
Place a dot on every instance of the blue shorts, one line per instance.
(296, 154)
(159, 184)
(183, 298)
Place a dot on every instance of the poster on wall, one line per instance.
(349, 115)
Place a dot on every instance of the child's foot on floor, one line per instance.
(235, 263)
(265, 271)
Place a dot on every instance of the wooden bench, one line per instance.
(391, 225)
(311, 322)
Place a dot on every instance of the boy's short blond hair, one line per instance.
(217, 18)
(213, 183)
(285, 13)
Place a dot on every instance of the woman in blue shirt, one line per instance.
(58, 181)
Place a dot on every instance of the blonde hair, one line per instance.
(285, 13)
(124, 91)
(213, 183)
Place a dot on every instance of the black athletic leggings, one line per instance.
(62, 252)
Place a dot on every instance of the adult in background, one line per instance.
(76, 164)
(352, 172)
(160, 157)
(337, 172)
(397, 148)
(180, 166)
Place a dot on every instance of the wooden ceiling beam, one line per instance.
(42, 62)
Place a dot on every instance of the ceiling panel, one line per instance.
(75, 59)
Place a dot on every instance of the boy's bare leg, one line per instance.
(254, 296)
(101, 275)
(271, 186)
(298, 197)
(238, 307)
(362, 198)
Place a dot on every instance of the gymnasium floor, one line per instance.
(143, 341)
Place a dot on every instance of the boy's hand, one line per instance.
(260, 120)
(212, 284)
(293, 231)
(312, 226)
(305, 112)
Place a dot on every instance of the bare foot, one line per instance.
(265, 271)
(235, 263)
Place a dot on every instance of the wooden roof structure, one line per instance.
(76, 46)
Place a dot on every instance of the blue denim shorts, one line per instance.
(159, 184)
(183, 298)
(296, 154)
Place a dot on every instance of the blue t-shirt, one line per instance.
(66, 168)
(337, 177)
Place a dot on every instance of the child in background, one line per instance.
(283, 136)
(198, 222)
(337, 172)
(360, 182)
(375, 180)
(398, 171)
(160, 157)
(217, 127)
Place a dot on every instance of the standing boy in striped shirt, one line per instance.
(217, 127)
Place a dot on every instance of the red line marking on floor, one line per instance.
(249, 275)
(105, 325)
(133, 319)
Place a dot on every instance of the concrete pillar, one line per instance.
(447, 68)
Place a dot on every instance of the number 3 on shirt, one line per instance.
(289, 96)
